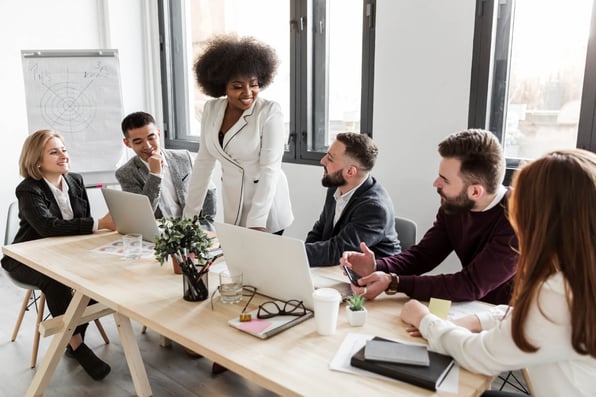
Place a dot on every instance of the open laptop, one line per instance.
(131, 213)
(277, 266)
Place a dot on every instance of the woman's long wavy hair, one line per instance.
(553, 211)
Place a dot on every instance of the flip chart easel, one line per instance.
(78, 94)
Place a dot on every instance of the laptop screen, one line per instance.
(131, 213)
(277, 266)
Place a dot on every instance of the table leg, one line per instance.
(133, 355)
(42, 377)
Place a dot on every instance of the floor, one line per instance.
(172, 373)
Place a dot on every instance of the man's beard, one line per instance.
(460, 203)
(334, 180)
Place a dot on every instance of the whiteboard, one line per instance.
(78, 94)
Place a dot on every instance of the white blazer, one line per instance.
(254, 187)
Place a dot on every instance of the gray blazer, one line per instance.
(134, 177)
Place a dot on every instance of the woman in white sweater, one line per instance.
(550, 328)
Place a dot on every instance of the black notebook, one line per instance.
(427, 377)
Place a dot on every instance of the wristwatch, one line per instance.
(392, 289)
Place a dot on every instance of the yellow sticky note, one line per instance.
(439, 307)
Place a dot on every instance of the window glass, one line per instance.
(547, 62)
(266, 20)
(345, 67)
(320, 80)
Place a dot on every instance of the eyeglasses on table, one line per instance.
(292, 307)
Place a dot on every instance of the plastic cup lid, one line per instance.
(327, 294)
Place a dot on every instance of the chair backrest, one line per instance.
(12, 226)
(406, 232)
(12, 223)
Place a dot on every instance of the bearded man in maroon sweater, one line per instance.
(472, 221)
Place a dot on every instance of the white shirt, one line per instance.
(63, 201)
(341, 200)
(501, 191)
(168, 200)
(555, 369)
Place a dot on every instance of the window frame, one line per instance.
(493, 15)
(304, 78)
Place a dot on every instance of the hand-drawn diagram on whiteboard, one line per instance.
(77, 93)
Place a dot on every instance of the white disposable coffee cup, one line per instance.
(326, 302)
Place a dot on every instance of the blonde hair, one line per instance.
(553, 213)
(32, 153)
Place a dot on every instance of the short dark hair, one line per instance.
(136, 120)
(229, 56)
(481, 157)
(360, 147)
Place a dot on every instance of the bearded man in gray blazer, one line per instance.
(160, 174)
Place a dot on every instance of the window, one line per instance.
(528, 85)
(324, 80)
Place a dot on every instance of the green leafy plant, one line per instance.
(179, 234)
(356, 302)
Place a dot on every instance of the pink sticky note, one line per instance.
(254, 326)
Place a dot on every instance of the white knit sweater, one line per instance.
(555, 369)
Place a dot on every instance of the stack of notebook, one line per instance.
(407, 363)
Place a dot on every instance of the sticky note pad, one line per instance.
(439, 307)
(254, 326)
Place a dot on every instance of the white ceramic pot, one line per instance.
(356, 318)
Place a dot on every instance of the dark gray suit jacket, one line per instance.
(40, 216)
(368, 217)
(134, 177)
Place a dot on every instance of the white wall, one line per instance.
(62, 24)
(422, 78)
(423, 59)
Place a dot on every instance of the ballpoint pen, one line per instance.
(205, 269)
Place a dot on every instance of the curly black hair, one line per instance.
(230, 56)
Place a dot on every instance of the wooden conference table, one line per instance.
(294, 362)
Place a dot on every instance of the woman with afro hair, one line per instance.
(244, 132)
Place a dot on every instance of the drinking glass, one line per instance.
(230, 287)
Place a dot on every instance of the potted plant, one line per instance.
(356, 311)
(181, 234)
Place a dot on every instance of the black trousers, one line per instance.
(58, 295)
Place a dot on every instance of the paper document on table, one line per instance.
(218, 267)
(354, 342)
(343, 287)
(461, 309)
(116, 248)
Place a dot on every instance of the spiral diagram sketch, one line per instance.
(68, 107)
(79, 96)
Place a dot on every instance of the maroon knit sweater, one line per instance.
(484, 243)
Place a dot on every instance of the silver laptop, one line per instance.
(277, 266)
(131, 213)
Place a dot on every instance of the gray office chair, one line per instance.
(406, 232)
(34, 297)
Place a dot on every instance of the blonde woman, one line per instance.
(53, 202)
